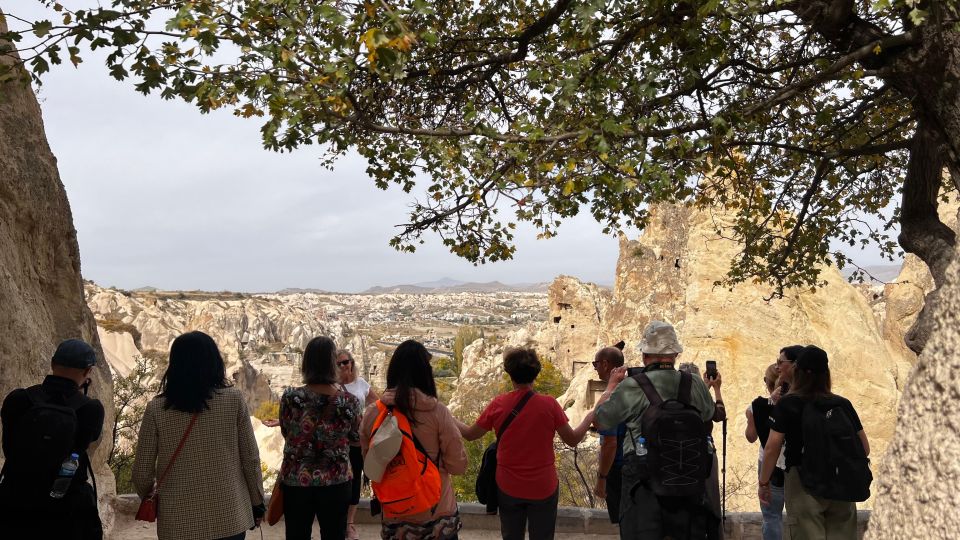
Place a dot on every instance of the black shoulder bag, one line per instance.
(486, 486)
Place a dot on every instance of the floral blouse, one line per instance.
(318, 430)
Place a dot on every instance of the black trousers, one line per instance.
(646, 516)
(614, 487)
(356, 463)
(516, 514)
(328, 504)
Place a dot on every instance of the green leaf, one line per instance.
(918, 16)
(42, 28)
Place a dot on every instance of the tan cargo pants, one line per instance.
(813, 518)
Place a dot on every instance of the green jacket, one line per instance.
(628, 402)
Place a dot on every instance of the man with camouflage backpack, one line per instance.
(44, 426)
(667, 456)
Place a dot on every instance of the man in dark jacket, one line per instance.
(32, 420)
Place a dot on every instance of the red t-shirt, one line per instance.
(526, 466)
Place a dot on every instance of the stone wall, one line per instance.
(41, 291)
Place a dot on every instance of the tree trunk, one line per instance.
(921, 231)
(918, 479)
(929, 75)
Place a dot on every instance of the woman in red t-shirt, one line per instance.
(526, 467)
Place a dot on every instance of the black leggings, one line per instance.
(517, 514)
(327, 503)
(356, 463)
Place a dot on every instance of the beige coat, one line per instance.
(214, 482)
(438, 433)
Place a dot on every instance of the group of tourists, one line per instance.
(198, 472)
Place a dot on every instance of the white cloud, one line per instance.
(165, 196)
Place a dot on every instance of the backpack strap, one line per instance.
(647, 386)
(683, 391)
(419, 446)
(513, 414)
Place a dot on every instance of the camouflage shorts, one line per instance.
(443, 528)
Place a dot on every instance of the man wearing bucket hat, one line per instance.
(42, 426)
(645, 515)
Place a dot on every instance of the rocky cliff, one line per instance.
(261, 339)
(668, 274)
(41, 292)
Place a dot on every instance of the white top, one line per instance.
(359, 388)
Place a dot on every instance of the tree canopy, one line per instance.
(798, 117)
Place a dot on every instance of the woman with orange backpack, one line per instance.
(416, 492)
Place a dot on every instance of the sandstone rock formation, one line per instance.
(119, 350)
(261, 339)
(668, 274)
(270, 442)
(574, 323)
(41, 291)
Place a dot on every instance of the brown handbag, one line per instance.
(148, 506)
(275, 510)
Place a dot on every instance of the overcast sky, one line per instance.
(165, 196)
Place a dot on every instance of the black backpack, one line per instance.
(678, 458)
(42, 438)
(833, 465)
(486, 486)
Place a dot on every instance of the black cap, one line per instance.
(74, 353)
(813, 359)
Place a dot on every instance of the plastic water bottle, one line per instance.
(67, 469)
(641, 447)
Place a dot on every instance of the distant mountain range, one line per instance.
(448, 285)
(883, 272)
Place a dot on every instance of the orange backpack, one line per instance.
(411, 481)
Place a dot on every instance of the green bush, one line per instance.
(268, 410)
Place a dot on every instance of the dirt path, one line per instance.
(128, 529)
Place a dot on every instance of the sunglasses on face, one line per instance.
(596, 363)
(343, 363)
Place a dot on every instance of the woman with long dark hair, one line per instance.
(360, 388)
(212, 488)
(809, 517)
(318, 421)
(412, 391)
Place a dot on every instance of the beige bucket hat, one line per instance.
(384, 446)
(660, 338)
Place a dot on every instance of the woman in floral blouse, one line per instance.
(319, 421)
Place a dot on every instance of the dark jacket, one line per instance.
(89, 422)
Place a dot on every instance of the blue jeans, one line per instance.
(773, 515)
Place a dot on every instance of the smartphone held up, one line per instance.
(711, 372)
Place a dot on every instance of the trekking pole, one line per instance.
(723, 509)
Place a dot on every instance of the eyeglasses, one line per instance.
(343, 363)
(596, 363)
(784, 361)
